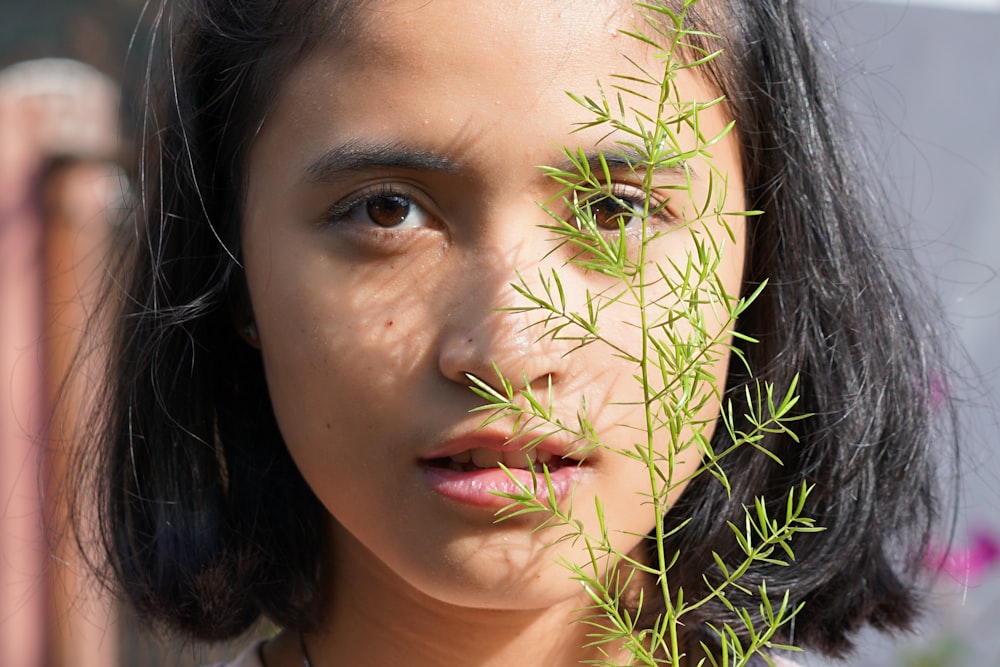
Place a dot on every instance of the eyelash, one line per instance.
(632, 202)
(626, 197)
(357, 205)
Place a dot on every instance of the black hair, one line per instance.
(208, 524)
(835, 315)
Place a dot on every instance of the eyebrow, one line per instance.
(622, 157)
(358, 154)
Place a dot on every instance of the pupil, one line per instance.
(607, 212)
(388, 211)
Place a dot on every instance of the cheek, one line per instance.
(337, 355)
(687, 351)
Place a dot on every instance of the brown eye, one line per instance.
(610, 212)
(385, 210)
(388, 211)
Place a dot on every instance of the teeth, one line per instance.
(491, 458)
(486, 458)
(519, 459)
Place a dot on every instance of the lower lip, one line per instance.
(484, 488)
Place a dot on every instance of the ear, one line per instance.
(248, 332)
(241, 312)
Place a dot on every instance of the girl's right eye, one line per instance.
(385, 210)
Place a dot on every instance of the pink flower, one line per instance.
(968, 565)
(937, 387)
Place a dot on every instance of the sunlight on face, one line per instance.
(393, 197)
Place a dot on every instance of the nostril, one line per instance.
(498, 344)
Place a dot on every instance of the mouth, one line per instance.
(482, 458)
(484, 470)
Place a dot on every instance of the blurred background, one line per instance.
(922, 82)
(61, 171)
(921, 79)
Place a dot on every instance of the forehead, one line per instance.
(508, 29)
(483, 43)
(461, 78)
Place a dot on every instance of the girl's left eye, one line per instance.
(388, 210)
(611, 212)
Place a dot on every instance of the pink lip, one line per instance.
(484, 488)
(495, 441)
(480, 488)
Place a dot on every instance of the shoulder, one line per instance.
(250, 657)
(776, 660)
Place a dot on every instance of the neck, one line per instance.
(375, 618)
(424, 636)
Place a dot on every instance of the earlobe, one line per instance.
(248, 332)
(242, 315)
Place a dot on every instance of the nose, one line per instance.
(491, 333)
(500, 348)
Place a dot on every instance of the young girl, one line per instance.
(335, 198)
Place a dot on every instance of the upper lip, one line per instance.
(556, 444)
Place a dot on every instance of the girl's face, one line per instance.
(393, 197)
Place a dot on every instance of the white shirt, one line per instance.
(251, 658)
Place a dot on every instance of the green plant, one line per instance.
(685, 323)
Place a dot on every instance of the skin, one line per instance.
(367, 333)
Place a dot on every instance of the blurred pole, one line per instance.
(57, 136)
(82, 632)
(23, 553)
